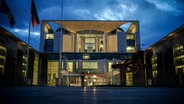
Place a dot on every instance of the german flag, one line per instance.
(4, 9)
(34, 15)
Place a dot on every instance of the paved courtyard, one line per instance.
(91, 95)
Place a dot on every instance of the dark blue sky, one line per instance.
(157, 17)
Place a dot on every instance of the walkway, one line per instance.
(91, 95)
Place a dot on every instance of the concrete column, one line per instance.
(100, 66)
(137, 37)
(105, 42)
(73, 44)
(97, 44)
(105, 65)
(82, 44)
(74, 65)
(114, 61)
(42, 38)
(122, 43)
(56, 41)
(65, 64)
(78, 43)
(79, 66)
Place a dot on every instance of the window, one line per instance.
(2, 58)
(52, 72)
(49, 45)
(154, 62)
(129, 79)
(70, 66)
(130, 36)
(89, 44)
(131, 42)
(109, 66)
(1, 70)
(86, 56)
(2, 52)
(1, 61)
(130, 49)
(154, 73)
(90, 65)
(179, 58)
(49, 36)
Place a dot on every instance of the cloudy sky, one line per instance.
(157, 17)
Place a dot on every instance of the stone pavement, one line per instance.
(91, 95)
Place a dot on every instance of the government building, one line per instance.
(89, 47)
(91, 53)
(14, 59)
(165, 60)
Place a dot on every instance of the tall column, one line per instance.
(137, 37)
(42, 37)
(74, 65)
(105, 42)
(73, 42)
(100, 66)
(97, 44)
(105, 65)
(114, 61)
(82, 44)
(65, 64)
(79, 65)
(77, 43)
(60, 58)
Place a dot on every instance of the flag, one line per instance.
(4, 9)
(34, 15)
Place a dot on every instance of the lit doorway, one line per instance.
(129, 79)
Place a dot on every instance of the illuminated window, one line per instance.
(49, 36)
(35, 71)
(86, 56)
(24, 64)
(154, 73)
(129, 79)
(52, 72)
(179, 59)
(130, 49)
(180, 69)
(89, 44)
(110, 66)
(2, 58)
(70, 66)
(154, 62)
(130, 36)
(90, 65)
(89, 40)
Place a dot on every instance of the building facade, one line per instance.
(90, 47)
(165, 60)
(13, 60)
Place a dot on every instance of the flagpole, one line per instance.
(60, 50)
(27, 64)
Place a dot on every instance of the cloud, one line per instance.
(50, 13)
(24, 31)
(23, 35)
(121, 11)
(154, 15)
(82, 13)
(106, 14)
(167, 5)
